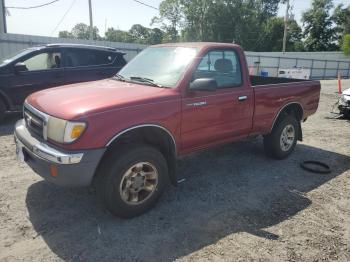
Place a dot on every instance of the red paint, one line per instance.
(110, 106)
(339, 84)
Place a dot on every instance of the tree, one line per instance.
(294, 37)
(346, 44)
(319, 33)
(115, 35)
(155, 36)
(242, 22)
(170, 18)
(82, 31)
(273, 35)
(139, 33)
(341, 17)
(65, 34)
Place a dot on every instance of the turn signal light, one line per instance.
(53, 171)
(77, 130)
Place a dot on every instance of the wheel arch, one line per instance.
(151, 134)
(292, 108)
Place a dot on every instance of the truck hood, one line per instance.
(78, 100)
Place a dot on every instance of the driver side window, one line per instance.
(221, 65)
(43, 61)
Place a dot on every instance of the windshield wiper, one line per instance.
(119, 77)
(145, 80)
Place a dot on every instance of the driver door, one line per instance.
(210, 117)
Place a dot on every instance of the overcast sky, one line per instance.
(121, 14)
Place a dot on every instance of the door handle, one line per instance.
(242, 98)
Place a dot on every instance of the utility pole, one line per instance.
(91, 24)
(286, 18)
(2, 17)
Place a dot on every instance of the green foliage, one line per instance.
(170, 18)
(155, 36)
(253, 24)
(319, 33)
(341, 17)
(80, 31)
(139, 34)
(346, 44)
(65, 34)
(115, 35)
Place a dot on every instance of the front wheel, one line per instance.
(281, 142)
(131, 180)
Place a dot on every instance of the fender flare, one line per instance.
(141, 126)
(170, 159)
(300, 131)
(280, 111)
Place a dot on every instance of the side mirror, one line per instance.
(204, 84)
(20, 67)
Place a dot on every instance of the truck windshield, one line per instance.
(162, 65)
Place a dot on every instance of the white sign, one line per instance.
(296, 73)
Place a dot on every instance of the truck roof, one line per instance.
(199, 45)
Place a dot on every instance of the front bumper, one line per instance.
(344, 108)
(344, 104)
(60, 167)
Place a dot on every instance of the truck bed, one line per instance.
(263, 80)
(272, 93)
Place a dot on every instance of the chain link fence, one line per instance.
(319, 69)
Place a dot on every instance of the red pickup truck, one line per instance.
(124, 134)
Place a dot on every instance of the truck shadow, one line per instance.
(230, 189)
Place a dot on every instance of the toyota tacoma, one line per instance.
(124, 134)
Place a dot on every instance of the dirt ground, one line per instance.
(235, 205)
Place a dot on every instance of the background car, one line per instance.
(42, 67)
(344, 103)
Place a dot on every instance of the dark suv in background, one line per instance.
(42, 67)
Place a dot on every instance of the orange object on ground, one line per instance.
(339, 83)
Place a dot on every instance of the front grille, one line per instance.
(34, 122)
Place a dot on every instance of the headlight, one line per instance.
(63, 131)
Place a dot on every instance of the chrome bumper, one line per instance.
(42, 150)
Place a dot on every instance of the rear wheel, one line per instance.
(281, 142)
(132, 180)
(2, 110)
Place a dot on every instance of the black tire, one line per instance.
(272, 142)
(110, 179)
(2, 110)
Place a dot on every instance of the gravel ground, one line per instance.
(236, 205)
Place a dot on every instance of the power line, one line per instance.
(31, 7)
(63, 17)
(142, 3)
